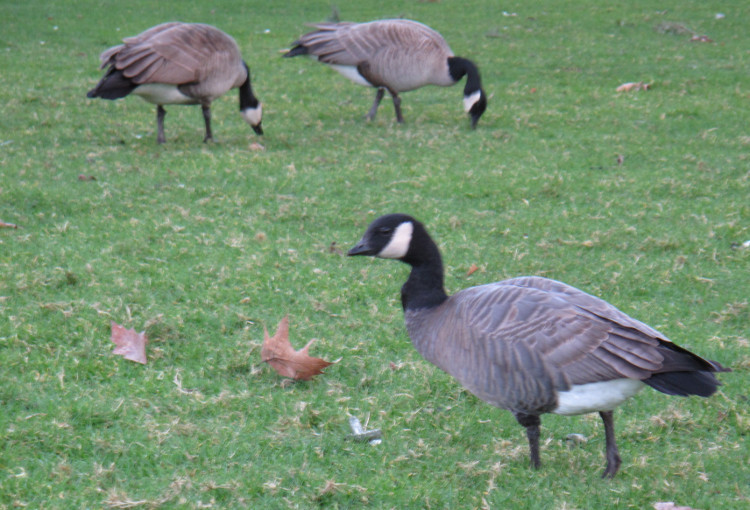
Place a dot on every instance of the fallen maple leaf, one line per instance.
(130, 345)
(278, 352)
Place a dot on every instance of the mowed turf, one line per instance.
(640, 198)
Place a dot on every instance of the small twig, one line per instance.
(177, 380)
(7, 225)
(355, 425)
(360, 435)
(576, 440)
(370, 436)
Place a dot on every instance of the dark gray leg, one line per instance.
(207, 117)
(613, 456)
(397, 106)
(373, 110)
(531, 422)
(160, 114)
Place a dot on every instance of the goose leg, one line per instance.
(373, 110)
(160, 114)
(207, 117)
(613, 456)
(531, 423)
(397, 106)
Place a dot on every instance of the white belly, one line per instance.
(162, 93)
(593, 397)
(351, 73)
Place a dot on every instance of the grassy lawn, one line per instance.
(642, 198)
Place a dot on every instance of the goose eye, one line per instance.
(385, 230)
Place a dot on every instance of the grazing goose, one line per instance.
(396, 55)
(532, 345)
(179, 63)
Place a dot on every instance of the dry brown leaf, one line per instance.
(278, 352)
(471, 270)
(630, 86)
(84, 177)
(7, 225)
(129, 344)
(334, 249)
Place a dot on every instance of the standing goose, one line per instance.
(532, 345)
(396, 55)
(179, 63)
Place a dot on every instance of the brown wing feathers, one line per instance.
(576, 334)
(173, 53)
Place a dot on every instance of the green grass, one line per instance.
(202, 245)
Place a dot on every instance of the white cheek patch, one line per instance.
(253, 116)
(470, 100)
(398, 246)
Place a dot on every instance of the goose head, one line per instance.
(253, 115)
(251, 108)
(388, 237)
(475, 100)
(475, 104)
(401, 237)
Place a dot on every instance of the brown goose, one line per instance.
(532, 345)
(179, 63)
(396, 55)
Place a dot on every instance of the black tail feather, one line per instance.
(703, 384)
(297, 50)
(114, 85)
(684, 373)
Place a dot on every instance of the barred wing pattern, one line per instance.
(519, 342)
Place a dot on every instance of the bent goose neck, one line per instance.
(247, 98)
(459, 67)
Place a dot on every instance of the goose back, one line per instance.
(202, 60)
(518, 344)
(401, 55)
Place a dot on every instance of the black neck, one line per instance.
(459, 67)
(424, 288)
(247, 98)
